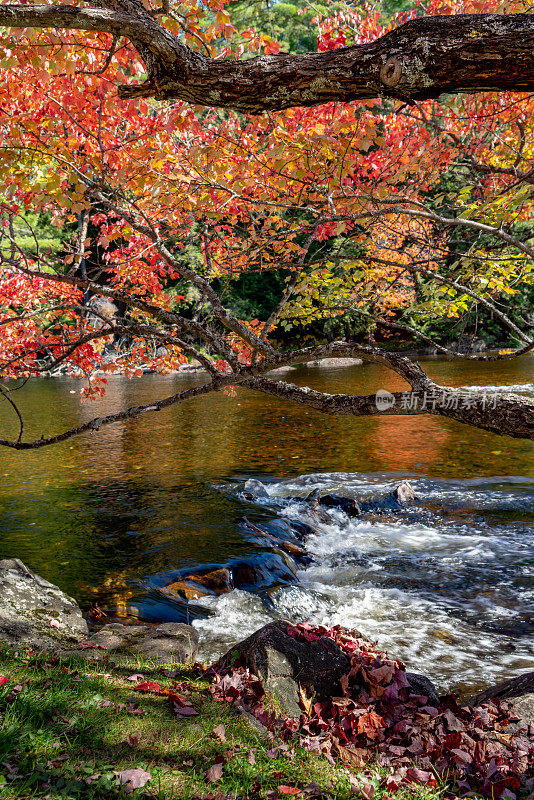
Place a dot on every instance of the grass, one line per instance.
(69, 725)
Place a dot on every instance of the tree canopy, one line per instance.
(397, 209)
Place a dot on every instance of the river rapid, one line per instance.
(446, 584)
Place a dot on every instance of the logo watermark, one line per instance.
(430, 400)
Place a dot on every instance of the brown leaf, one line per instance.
(214, 773)
(220, 732)
(132, 779)
(305, 701)
(251, 758)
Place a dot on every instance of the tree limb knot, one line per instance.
(391, 72)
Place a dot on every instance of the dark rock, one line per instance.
(346, 504)
(171, 642)
(282, 663)
(518, 691)
(393, 501)
(420, 684)
(35, 611)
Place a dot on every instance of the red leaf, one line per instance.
(288, 789)
(4, 679)
(148, 686)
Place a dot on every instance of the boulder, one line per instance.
(284, 664)
(518, 691)
(171, 642)
(34, 611)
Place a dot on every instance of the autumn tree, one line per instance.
(401, 207)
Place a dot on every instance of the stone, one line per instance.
(170, 642)
(34, 611)
(518, 691)
(255, 488)
(420, 684)
(201, 583)
(284, 664)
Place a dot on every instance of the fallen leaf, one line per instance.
(214, 773)
(220, 732)
(289, 789)
(147, 686)
(132, 779)
(4, 679)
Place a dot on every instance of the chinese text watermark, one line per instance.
(431, 400)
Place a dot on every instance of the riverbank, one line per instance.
(78, 728)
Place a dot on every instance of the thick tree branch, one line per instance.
(421, 59)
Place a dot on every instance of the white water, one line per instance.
(446, 585)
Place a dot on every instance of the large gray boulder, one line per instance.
(285, 664)
(170, 642)
(518, 691)
(34, 611)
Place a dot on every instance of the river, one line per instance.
(447, 586)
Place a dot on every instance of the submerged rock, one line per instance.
(34, 611)
(171, 642)
(518, 691)
(202, 583)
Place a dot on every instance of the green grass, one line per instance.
(68, 725)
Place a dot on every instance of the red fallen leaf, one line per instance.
(370, 724)
(453, 723)
(214, 773)
(4, 679)
(416, 775)
(176, 698)
(148, 686)
(288, 789)
(461, 757)
(132, 779)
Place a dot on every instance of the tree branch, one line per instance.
(421, 59)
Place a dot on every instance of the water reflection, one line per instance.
(101, 513)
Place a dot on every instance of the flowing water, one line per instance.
(447, 584)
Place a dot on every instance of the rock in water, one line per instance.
(393, 501)
(255, 488)
(171, 642)
(518, 691)
(35, 611)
